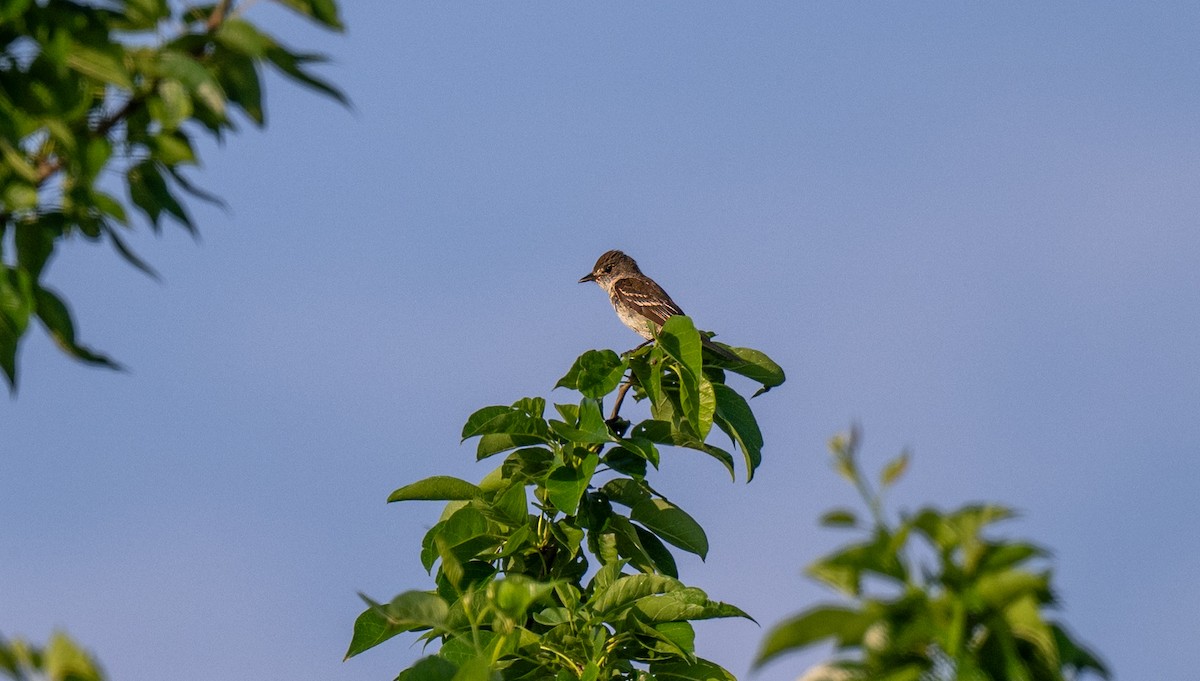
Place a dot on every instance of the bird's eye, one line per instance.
(608, 269)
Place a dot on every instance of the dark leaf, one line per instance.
(733, 415)
(289, 64)
(56, 318)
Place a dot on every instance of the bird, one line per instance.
(640, 303)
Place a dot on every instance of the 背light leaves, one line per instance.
(733, 415)
(436, 488)
(595, 373)
(671, 524)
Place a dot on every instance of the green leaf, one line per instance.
(35, 244)
(682, 634)
(839, 518)
(893, 470)
(844, 625)
(430, 668)
(733, 415)
(126, 253)
(239, 78)
(56, 318)
(524, 417)
(64, 659)
(104, 63)
(659, 555)
(20, 196)
(1075, 655)
(494, 443)
(567, 483)
(679, 670)
(196, 79)
(648, 369)
(464, 535)
(323, 12)
(243, 37)
(289, 63)
(592, 428)
(625, 491)
(687, 603)
(681, 341)
(150, 193)
(514, 594)
(622, 460)
(663, 432)
(409, 611)
(756, 366)
(595, 373)
(436, 488)
(628, 589)
(672, 524)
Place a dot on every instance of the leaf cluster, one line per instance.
(60, 660)
(948, 601)
(559, 563)
(90, 94)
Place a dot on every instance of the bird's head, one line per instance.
(611, 266)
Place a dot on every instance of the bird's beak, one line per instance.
(590, 276)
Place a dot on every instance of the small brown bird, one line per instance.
(641, 304)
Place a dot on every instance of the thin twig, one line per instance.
(620, 398)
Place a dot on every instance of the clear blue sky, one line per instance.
(970, 226)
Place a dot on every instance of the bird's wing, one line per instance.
(647, 297)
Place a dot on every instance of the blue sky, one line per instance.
(971, 228)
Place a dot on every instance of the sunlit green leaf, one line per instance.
(566, 484)
(438, 487)
(671, 524)
(595, 373)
